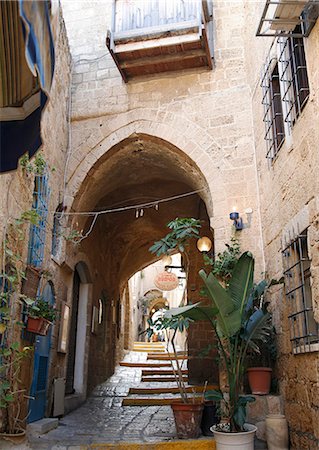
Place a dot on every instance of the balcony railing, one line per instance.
(133, 15)
(165, 30)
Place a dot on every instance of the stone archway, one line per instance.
(137, 170)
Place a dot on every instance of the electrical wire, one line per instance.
(139, 206)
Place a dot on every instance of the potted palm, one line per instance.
(188, 411)
(240, 325)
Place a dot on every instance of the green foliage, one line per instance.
(11, 357)
(12, 395)
(37, 166)
(171, 325)
(74, 236)
(225, 262)
(241, 324)
(41, 308)
(183, 229)
(167, 323)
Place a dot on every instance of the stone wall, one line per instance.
(204, 113)
(289, 195)
(17, 187)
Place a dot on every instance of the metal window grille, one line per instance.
(273, 114)
(37, 232)
(294, 77)
(304, 330)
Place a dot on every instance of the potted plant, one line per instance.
(41, 314)
(12, 352)
(261, 364)
(240, 325)
(188, 411)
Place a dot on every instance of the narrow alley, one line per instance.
(102, 420)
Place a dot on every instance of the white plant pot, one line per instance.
(235, 441)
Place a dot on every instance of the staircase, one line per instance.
(158, 383)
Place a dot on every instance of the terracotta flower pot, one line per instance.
(188, 417)
(38, 325)
(259, 379)
(14, 438)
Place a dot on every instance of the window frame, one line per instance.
(37, 233)
(297, 269)
(293, 76)
(273, 113)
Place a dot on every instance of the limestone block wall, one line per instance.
(17, 187)
(206, 114)
(289, 191)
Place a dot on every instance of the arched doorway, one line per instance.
(76, 372)
(42, 345)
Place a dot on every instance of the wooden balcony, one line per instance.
(155, 36)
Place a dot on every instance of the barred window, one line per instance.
(294, 77)
(37, 231)
(304, 330)
(273, 114)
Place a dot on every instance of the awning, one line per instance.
(27, 43)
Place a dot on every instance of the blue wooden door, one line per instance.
(37, 402)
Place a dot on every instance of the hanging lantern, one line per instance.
(204, 244)
(166, 281)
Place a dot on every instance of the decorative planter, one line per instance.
(14, 438)
(209, 418)
(235, 441)
(277, 432)
(259, 379)
(187, 419)
(38, 325)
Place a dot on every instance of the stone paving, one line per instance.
(102, 422)
(101, 419)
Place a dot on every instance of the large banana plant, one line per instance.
(239, 325)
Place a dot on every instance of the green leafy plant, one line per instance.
(74, 236)
(240, 325)
(171, 326)
(183, 229)
(41, 308)
(37, 166)
(12, 353)
(223, 265)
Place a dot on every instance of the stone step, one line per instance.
(137, 364)
(169, 390)
(149, 344)
(162, 372)
(161, 379)
(172, 355)
(147, 350)
(150, 401)
(184, 444)
(42, 426)
(164, 357)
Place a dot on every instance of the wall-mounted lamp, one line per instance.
(204, 244)
(238, 221)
